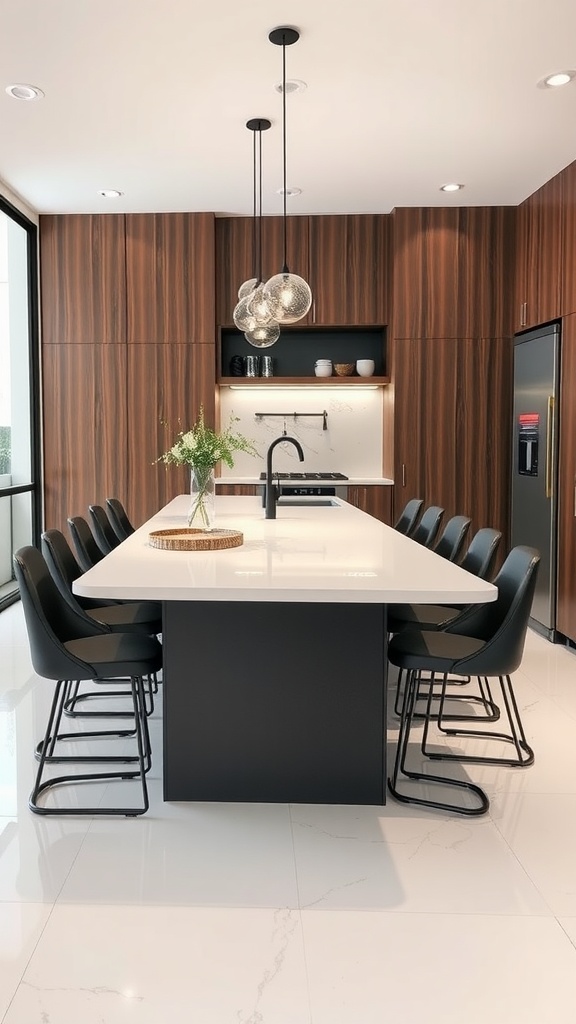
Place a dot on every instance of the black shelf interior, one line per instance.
(296, 351)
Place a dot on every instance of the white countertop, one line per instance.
(307, 554)
(352, 481)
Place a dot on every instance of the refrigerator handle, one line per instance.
(550, 438)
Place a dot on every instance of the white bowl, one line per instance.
(365, 367)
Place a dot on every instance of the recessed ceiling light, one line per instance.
(558, 78)
(24, 92)
(292, 85)
(109, 193)
(452, 186)
(290, 191)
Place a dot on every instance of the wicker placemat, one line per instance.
(189, 539)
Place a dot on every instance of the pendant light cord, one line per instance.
(285, 265)
(259, 206)
(254, 239)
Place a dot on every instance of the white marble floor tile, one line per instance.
(36, 855)
(402, 859)
(569, 926)
(371, 968)
(213, 855)
(165, 965)
(21, 925)
(540, 829)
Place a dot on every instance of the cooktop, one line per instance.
(306, 476)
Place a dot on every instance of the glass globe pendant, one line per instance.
(288, 297)
(263, 335)
(247, 288)
(243, 318)
(259, 305)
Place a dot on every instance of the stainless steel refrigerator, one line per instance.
(535, 463)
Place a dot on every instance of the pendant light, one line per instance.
(252, 313)
(288, 296)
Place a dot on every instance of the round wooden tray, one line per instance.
(189, 539)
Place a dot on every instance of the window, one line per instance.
(19, 413)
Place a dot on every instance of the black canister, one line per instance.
(237, 366)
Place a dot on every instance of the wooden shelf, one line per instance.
(321, 382)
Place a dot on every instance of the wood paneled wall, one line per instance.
(451, 355)
(128, 327)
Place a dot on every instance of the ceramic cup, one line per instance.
(365, 367)
(323, 368)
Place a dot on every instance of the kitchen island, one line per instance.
(274, 680)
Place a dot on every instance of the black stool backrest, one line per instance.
(427, 529)
(104, 535)
(481, 554)
(64, 569)
(407, 518)
(502, 623)
(50, 621)
(87, 551)
(118, 518)
(452, 540)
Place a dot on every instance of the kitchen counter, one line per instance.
(353, 481)
(274, 678)
(308, 553)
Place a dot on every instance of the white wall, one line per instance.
(352, 444)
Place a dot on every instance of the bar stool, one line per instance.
(490, 643)
(64, 650)
(104, 535)
(118, 518)
(407, 518)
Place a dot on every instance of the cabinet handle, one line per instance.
(403, 474)
(313, 311)
(575, 497)
(523, 313)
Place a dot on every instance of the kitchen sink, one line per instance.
(302, 502)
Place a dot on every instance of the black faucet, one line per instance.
(272, 492)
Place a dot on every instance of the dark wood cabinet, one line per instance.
(85, 427)
(349, 269)
(83, 279)
(539, 256)
(568, 298)
(566, 561)
(453, 426)
(170, 278)
(375, 499)
(235, 256)
(452, 272)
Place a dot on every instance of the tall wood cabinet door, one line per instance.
(84, 398)
(409, 422)
(349, 269)
(166, 386)
(484, 432)
(540, 254)
(236, 255)
(83, 279)
(566, 605)
(425, 423)
(452, 272)
(568, 299)
(170, 278)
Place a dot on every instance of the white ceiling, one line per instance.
(151, 97)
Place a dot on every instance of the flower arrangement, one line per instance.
(202, 448)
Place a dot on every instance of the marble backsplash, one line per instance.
(351, 444)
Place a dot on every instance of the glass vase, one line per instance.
(201, 515)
